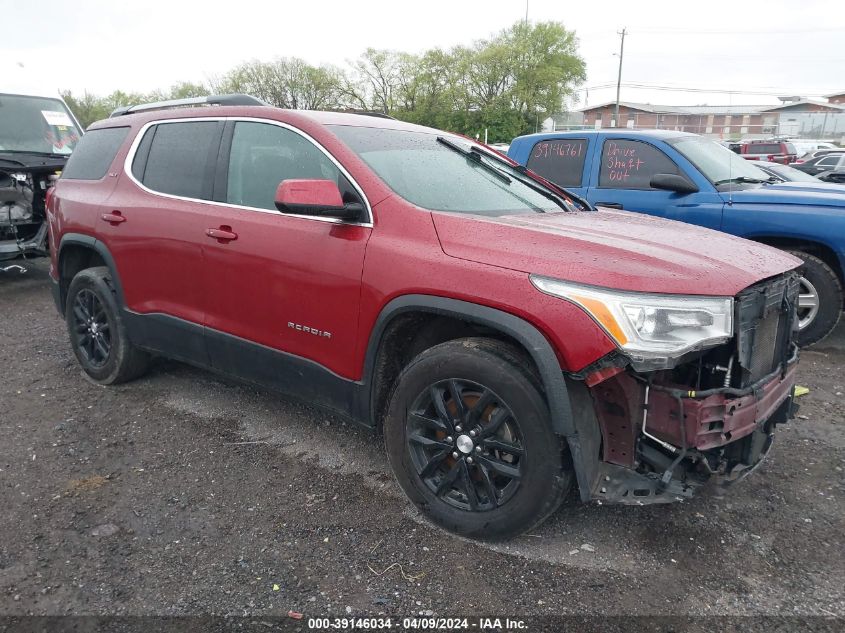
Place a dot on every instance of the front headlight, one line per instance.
(652, 329)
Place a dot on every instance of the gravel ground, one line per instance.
(184, 493)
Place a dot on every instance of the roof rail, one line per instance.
(378, 115)
(373, 113)
(231, 99)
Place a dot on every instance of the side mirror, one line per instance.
(672, 182)
(315, 197)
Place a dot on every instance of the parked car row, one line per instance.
(826, 182)
(806, 146)
(819, 152)
(823, 160)
(829, 161)
(779, 150)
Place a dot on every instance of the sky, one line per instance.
(771, 47)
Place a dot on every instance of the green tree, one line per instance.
(505, 84)
(86, 108)
(287, 82)
(181, 90)
(547, 66)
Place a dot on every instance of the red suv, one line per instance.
(772, 151)
(510, 340)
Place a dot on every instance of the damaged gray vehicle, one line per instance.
(37, 134)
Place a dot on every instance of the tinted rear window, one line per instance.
(559, 160)
(180, 158)
(765, 148)
(94, 153)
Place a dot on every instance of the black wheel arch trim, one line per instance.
(584, 458)
(87, 241)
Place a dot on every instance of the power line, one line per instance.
(595, 33)
(673, 31)
(644, 86)
(742, 57)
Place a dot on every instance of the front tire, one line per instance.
(97, 332)
(470, 440)
(819, 301)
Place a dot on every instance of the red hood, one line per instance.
(615, 249)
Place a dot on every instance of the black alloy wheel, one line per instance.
(470, 439)
(92, 328)
(97, 330)
(466, 445)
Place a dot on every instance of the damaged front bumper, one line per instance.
(661, 443)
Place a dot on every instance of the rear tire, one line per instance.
(97, 331)
(820, 280)
(477, 399)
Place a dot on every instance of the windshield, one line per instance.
(36, 124)
(717, 162)
(432, 175)
(790, 173)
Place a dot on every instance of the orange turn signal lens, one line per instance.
(603, 316)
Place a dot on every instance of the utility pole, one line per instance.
(619, 76)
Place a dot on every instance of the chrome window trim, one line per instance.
(130, 157)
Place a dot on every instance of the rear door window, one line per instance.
(181, 158)
(94, 153)
(631, 164)
(559, 160)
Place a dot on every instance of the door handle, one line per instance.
(113, 218)
(610, 205)
(224, 234)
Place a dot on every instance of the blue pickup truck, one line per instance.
(687, 177)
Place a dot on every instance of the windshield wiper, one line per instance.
(12, 160)
(539, 188)
(33, 153)
(476, 153)
(527, 180)
(739, 179)
(475, 157)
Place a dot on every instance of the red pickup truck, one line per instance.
(510, 339)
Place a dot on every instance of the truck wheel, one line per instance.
(470, 440)
(97, 332)
(820, 300)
